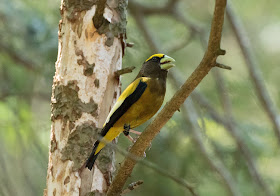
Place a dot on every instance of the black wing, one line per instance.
(127, 103)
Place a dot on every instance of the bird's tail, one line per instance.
(93, 156)
(99, 145)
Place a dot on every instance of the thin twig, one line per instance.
(203, 102)
(194, 27)
(254, 69)
(217, 165)
(190, 115)
(138, 16)
(7, 183)
(231, 126)
(169, 9)
(233, 132)
(181, 44)
(132, 186)
(207, 63)
(129, 44)
(224, 173)
(16, 57)
(223, 66)
(125, 70)
(154, 167)
(145, 10)
(138, 11)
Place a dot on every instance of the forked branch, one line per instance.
(208, 62)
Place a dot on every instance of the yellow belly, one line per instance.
(142, 110)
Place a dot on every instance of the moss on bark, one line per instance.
(79, 144)
(67, 104)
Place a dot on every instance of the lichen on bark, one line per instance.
(104, 163)
(79, 144)
(90, 194)
(114, 28)
(73, 6)
(110, 29)
(88, 67)
(53, 146)
(96, 83)
(67, 104)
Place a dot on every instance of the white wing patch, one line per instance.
(129, 90)
(115, 107)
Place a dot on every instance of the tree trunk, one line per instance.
(91, 45)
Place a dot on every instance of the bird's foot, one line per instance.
(126, 128)
(135, 132)
(133, 140)
(130, 138)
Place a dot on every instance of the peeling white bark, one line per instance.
(98, 182)
(80, 37)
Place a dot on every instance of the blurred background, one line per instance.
(224, 143)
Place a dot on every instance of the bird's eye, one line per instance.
(154, 59)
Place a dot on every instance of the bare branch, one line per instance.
(222, 66)
(124, 71)
(154, 167)
(208, 62)
(188, 23)
(138, 16)
(190, 115)
(225, 174)
(29, 65)
(181, 44)
(170, 5)
(216, 164)
(231, 126)
(180, 181)
(169, 9)
(203, 102)
(254, 69)
(132, 186)
(129, 44)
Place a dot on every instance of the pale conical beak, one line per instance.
(167, 62)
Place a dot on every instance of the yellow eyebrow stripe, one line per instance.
(155, 55)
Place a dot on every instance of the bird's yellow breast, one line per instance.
(144, 108)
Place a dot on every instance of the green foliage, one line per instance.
(28, 50)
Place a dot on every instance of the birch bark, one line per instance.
(91, 45)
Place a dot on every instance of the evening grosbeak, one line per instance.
(137, 104)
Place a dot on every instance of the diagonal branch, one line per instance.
(231, 126)
(254, 70)
(125, 70)
(18, 58)
(138, 16)
(139, 11)
(207, 63)
(132, 186)
(190, 115)
(155, 168)
(204, 103)
(170, 5)
(217, 165)
(168, 9)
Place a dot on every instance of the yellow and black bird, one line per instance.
(138, 102)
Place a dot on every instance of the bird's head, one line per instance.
(157, 65)
(165, 62)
